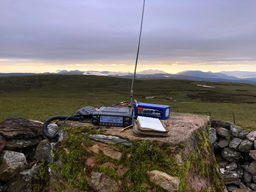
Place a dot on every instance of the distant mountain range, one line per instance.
(225, 76)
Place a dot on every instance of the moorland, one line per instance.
(42, 96)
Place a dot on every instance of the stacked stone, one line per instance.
(18, 141)
(235, 151)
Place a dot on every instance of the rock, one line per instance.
(179, 160)
(218, 123)
(90, 162)
(251, 136)
(252, 154)
(2, 143)
(232, 187)
(212, 135)
(146, 187)
(3, 187)
(102, 183)
(252, 186)
(247, 177)
(110, 140)
(235, 142)
(21, 143)
(243, 134)
(242, 186)
(122, 170)
(245, 146)
(167, 182)
(232, 166)
(109, 165)
(12, 163)
(251, 168)
(24, 181)
(223, 132)
(31, 173)
(254, 144)
(44, 151)
(230, 154)
(241, 190)
(254, 179)
(223, 143)
(15, 127)
(231, 177)
(235, 130)
(107, 150)
(52, 128)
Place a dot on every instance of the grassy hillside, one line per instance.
(39, 97)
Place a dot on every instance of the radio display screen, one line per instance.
(111, 119)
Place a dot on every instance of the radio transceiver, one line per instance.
(113, 116)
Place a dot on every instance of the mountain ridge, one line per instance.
(195, 75)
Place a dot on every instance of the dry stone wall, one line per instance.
(235, 150)
(90, 158)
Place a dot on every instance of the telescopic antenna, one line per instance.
(137, 56)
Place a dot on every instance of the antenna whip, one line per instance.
(137, 56)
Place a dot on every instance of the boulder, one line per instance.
(223, 143)
(219, 123)
(252, 186)
(231, 177)
(167, 182)
(232, 166)
(102, 183)
(235, 142)
(232, 188)
(21, 143)
(24, 181)
(230, 154)
(235, 130)
(251, 136)
(245, 146)
(251, 168)
(241, 190)
(243, 134)
(252, 154)
(254, 179)
(12, 163)
(44, 151)
(212, 135)
(2, 143)
(223, 132)
(15, 127)
(247, 177)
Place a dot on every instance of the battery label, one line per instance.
(149, 112)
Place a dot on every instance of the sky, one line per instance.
(52, 35)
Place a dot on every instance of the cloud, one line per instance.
(100, 31)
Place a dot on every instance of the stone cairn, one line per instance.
(235, 151)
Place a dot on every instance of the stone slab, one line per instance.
(181, 127)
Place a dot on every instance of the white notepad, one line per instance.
(151, 124)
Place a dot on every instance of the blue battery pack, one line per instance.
(151, 110)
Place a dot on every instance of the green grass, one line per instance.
(39, 97)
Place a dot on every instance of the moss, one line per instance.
(42, 182)
(144, 156)
(72, 152)
(109, 171)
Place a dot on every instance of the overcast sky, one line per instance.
(50, 35)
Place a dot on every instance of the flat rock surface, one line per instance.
(16, 127)
(181, 127)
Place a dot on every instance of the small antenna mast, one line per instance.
(137, 56)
